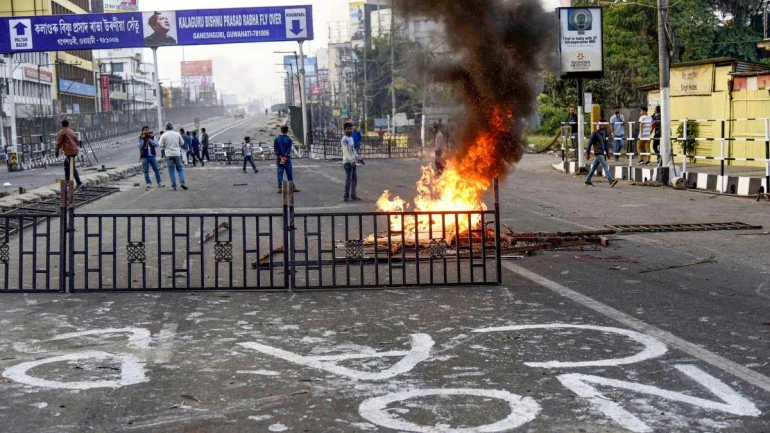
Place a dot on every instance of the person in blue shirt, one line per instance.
(186, 148)
(356, 138)
(598, 142)
(282, 147)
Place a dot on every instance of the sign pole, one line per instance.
(12, 95)
(303, 94)
(156, 84)
(665, 76)
(581, 127)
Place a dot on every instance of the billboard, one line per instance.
(198, 73)
(120, 5)
(357, 11)
(580, 42)
(290, 65)
(156, 28)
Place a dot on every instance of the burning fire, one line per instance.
(459, 188)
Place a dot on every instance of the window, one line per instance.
(117, 67)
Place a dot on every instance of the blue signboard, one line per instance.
(153, 29)
(67, 86)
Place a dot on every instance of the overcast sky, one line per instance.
(250, 70)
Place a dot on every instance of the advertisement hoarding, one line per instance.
(105, 83)
(151, 29)
(120, 5)
(581, 42)
(198, 73)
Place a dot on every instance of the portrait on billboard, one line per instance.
(159, 28)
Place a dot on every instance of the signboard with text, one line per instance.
(581, 42)
(692, 80)
(105, 83)
(153, 29)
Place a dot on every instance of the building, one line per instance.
(721, 89)
(73, 78)
(126, 81)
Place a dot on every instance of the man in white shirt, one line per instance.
(172, 142)
(645, 128)
(349, 160)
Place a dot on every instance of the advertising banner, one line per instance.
(198, 73)
(581, 42)
(153, 29)
(34, 74)
(120, 6)
(105, 83)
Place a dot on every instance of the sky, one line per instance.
(249, 70)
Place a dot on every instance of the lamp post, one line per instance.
(300, 60)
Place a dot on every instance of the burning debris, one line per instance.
(499, 49)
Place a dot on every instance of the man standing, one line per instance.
(186, 146)
(440, 142)
(349, 160)
(195, 147)
(656, 133)
(601, 148)
(147, 148)
(282, 147)
(205, 145)
(572, 121)
(618, 132)
(356, 137)
(247, 150)
(68, 141)
(172, 142)
(645, 127)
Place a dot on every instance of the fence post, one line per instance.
(292, 239)
(63, 235)
(325, 142)
(286, 248)
(563, 143)
(390, 142)
(684, 149)
(499, 258)
(722, 158)
(767, 155)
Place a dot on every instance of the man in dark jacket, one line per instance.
(598, 142)
(148, 148)
(205, 145)
(68, 141)
(195, 148)
(282, 147)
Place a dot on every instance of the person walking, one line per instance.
(350, 160)
(656, 133)
(645, 128)
(195, 147)
(172, 142)
(618, 131)
(598, 142)
(67, 141)
(441, 144)
(147, 147)
(186, 147)
(247, 150)
(282, 147)
(205, 145)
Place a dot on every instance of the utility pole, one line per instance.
(303, 94)
(366, 48)
(665, 92)
(393, 65)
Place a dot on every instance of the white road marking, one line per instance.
(376, 410)
(231, 127)
(652, 347)
(724, 364)
(733, 402)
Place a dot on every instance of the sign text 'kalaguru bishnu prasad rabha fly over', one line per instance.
(155, 28)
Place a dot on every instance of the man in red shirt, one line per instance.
(68, 141)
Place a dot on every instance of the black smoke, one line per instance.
(498, 52)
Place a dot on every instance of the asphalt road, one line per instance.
(605, 341)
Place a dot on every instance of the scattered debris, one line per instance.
(191, 397)
(240, 184)
(608, 258)
(711, 259)
(222, 227)
(265, 259)
(651, 183)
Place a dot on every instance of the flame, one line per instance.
(460, 188)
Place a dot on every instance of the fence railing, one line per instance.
(719, 128)
(329, 146)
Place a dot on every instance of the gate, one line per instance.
(246, 251)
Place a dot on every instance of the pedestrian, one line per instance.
(68, 142)
(195, 146)
(618, 131)
(282, 147)
(645, 128)
(205, 145)
(350, 160)
(572, 121)
(190, 154)
(599, 143)
(186, 146)
(656, 133)
(247, 150)
(356, 138)
(171, 142)
(148, 146)
(441, 146)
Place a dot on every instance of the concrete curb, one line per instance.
(743, 186)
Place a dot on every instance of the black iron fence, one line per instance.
(247, 251)
(400, 146)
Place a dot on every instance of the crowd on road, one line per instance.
(182, 148)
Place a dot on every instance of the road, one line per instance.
(220, 130)
(599, 341)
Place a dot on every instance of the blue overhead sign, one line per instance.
(153, 29)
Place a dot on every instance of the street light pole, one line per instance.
(665, 93)
(156, 85)
(12, 101)
(303, 94)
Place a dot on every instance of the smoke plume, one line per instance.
(499, 50)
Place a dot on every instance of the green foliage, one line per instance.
(688, 146)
